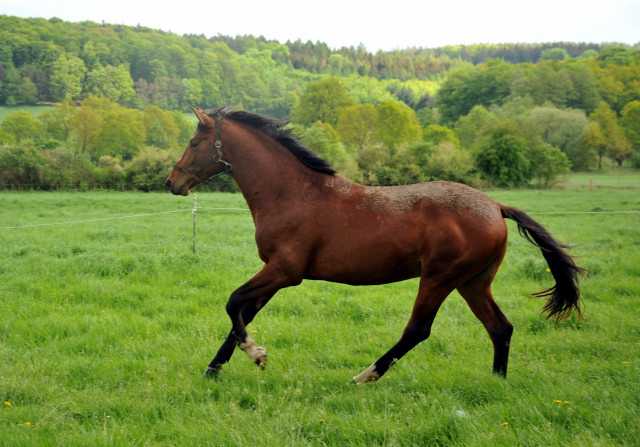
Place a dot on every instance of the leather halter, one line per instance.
(217, 158)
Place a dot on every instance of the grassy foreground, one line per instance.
(107, 326)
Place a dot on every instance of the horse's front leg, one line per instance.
(228, 346)
(242, 307)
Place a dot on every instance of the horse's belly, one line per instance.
(365, 264)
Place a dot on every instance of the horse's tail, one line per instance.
(564, 297)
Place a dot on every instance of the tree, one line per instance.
(436, 134)
(121, 133)
(321, 101)
(113, 83)
(502, 159)
(323, 139)
(592, 146)
(22, 167)
(618, 147)
(161, 129)
(475, 127)
(396, 124)
(630, 123)
(84, 125)
(57, 121)
(356, 124)
(554, 54)
(560, 128)
(547, 163)
(447, 161)
(67, 76)
(147, 171)
(467, 87)
(22, 125)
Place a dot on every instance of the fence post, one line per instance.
(195, 207)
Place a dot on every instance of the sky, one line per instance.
(378, 25)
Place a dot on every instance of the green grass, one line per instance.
(34, 110)
(107, 326)
(616, 179)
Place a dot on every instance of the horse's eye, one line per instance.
(194, 144)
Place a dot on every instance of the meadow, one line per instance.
(107, 325)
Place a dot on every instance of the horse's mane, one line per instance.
(275, 129)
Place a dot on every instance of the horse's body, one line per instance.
(313, 224)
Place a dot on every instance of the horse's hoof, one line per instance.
(262, 361)
(211, 372)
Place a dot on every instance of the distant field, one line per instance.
(625, 179)
(107, 326)
(34, 110)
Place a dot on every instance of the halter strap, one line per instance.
(217, 158)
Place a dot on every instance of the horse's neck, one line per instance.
(267, 174)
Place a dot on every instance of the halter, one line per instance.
(217, 158)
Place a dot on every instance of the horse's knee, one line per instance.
(234, 305)
(417, 332)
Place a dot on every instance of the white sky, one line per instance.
(379, 25)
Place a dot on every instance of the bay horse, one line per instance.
(311, 223)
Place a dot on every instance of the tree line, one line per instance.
(391, 118)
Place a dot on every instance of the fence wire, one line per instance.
(191, 210)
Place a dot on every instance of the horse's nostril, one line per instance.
(167, 184)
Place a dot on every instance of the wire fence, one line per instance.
(197, 208)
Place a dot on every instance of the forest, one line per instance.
(509, 115)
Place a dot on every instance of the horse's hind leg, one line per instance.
(430, 296)
(477, 293)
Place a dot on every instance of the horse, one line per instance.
(311, 223)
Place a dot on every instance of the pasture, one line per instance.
(108, 325)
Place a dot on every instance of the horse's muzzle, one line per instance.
(176, 189)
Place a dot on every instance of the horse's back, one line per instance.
(373, 235)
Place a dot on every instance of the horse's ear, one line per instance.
(204, 119)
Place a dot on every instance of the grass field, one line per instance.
(107, 326)
(34, 110)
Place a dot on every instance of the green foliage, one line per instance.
(617, 145)
(148, 170)
(22, 167)
(468, 87)
(554, 54)
(356, 125)
(67, 78)
(110, 174)
(630, 123)
(502, 160)
(396, 124)
(22, 126)
(121, 133)
(547, 163)
(561, 128)
(321, 101)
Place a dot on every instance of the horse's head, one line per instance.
(202, 158)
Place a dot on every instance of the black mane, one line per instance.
(275, 129)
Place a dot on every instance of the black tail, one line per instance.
(564, 297)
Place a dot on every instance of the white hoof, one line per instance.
(368, 375)
(257, 354)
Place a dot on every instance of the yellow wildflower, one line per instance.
(27, 423)
(504, 424)
(254, 332)
(7, 403)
